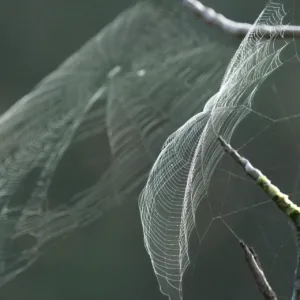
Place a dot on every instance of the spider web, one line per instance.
(108, 108)
(191, 184)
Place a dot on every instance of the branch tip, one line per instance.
(209, 16)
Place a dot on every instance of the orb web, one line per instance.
(108, 108)
(181, 178)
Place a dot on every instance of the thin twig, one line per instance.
(210, 16)
(290, 209)
(255, 256)
(257, 272)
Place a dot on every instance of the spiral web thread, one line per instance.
(180, 176)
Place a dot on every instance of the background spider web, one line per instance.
(127, 87)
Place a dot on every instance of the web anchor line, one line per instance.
(282, 201)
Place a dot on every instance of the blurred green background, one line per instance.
(106, 260)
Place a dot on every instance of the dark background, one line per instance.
(106, 260)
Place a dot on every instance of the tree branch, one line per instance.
(210, 16)
(257, 272)
(282, 201)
